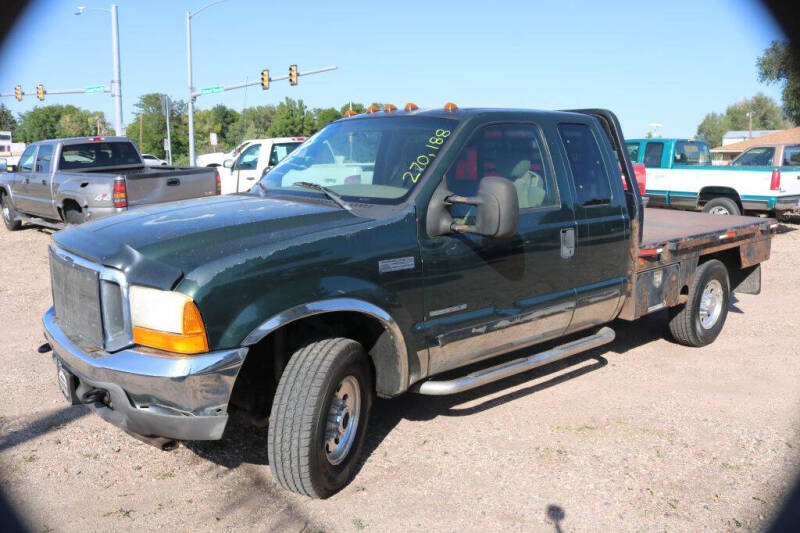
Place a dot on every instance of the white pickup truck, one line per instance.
(255, 160)
(680, 175)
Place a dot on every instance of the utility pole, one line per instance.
(169, 139)
(191, 86)
(750, 124)
(140, 133)
(116, 82)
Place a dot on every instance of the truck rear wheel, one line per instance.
(699, 321)
(9, 213)
(319, 417)
(722, 206)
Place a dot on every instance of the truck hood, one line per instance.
(156, 245)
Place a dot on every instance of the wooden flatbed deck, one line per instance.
(663, 227)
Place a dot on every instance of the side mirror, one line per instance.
(228, 163)
(497, 210)
(12, 168)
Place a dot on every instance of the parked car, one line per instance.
(87, 178)
(153, 161)
(769, 155)
(680, 175)
(463, 235)
(216, 159)
(256, 159)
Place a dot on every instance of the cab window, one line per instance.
(652, 154)
(249, 158)
(633, 151)
(26, 159)
(511, 151)
(761, 156)
(691, 153)
(586, 164)
(791, 156)
(43, 158)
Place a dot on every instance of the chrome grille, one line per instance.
(76, 297)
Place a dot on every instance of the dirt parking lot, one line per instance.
(640, 435)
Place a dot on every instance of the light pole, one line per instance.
(189, 16)
(116, 81)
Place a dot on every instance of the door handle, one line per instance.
(567, 243)
(44, 182)
(173, 182)
(251, 178)
(27, 180)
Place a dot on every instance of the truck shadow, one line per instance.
(243, 443)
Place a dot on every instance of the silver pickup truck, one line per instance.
(71, 181)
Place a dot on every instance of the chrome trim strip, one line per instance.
(114, 276)
(333, 305)
(517, 366)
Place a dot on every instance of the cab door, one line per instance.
(244, 172)
(22, 179)
(485, 296)
(39, 186)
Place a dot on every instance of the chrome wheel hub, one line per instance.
(711, 304)
(719, 210)
(343, 415)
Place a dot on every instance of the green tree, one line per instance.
(220, 120)
(325, 116)
(7, 120)
(253, 123)
(355, 106)
(778, 65)
(292, 118)
(53, 121)
(150, 114)
(766, 115)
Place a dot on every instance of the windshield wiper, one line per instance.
(324, 190)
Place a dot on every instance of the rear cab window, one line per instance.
(691, 153)
(652, 154)
(98, 155)
(633, 151)
(585, 159)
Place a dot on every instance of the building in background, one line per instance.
(723, 155)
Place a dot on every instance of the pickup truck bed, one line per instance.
(663, 227)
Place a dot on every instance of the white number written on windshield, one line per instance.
(418, 166)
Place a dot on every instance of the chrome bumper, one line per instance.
(183, 398)
(787, 203)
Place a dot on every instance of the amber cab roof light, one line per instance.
(450, 107)
(411, 106)
(373, 109)
(350, 113)
(388, 108)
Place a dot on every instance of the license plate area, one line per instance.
(68, 384)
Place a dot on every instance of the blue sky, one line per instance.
(666, 62)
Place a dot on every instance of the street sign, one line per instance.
(166, 145)
(213, 89)
(213, 138)
(95, 89)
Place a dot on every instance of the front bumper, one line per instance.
(183, 398)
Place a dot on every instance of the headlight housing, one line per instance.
(166, 320)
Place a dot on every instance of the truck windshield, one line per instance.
(691, 153)
(369, 160)
(98, 155)
(755, 157)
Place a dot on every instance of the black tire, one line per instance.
(300, 414)
(722, 206)
(73, 214)
(9, 213)
(686, 321)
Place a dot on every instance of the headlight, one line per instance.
(167, 321)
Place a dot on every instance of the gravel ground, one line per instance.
(640, 435)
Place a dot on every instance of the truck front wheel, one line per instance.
(722, 206)
(9, 213)
(699, 321)
(319, 417)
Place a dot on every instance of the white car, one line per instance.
(153, 161)
(257, 158)
(216, 159)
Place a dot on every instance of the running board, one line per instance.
(41, 222)
(517, 366)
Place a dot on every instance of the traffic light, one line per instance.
(18, 92)
(265, 79)
(40, 92)
(293, 75)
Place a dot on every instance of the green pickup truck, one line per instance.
(383, 256)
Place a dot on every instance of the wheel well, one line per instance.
(69, 203)
(709, 193)
(258, 378)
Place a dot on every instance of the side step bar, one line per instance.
(41, 222)
(517, 366)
